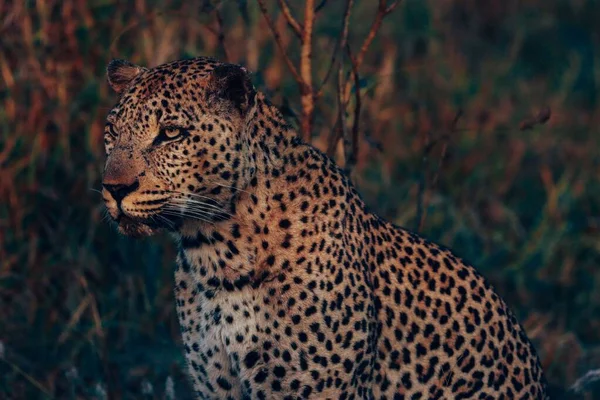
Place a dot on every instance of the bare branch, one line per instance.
(307, 97)
(422, 197)
(341, 43)
(287, 13)
(446, 138)
(221, 34)
(345, 25)
(320, 6)
(340, 130)
(421, 188)
(336, 132)
(277, 37)
(352, 147)
(541, 118)
(319, 91)
(391, 7)
(382, 10)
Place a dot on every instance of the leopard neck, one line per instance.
(272, 216)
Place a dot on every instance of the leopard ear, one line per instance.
(120, 73)
(232, 83)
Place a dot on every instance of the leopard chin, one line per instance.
(136, 229)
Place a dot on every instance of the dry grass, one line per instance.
(85, 313)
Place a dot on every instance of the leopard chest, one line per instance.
(217, 327)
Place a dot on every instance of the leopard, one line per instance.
(287, 284)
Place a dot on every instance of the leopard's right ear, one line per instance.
(120, 73)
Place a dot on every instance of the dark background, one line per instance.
(86, 313)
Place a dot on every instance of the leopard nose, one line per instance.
(119, 191)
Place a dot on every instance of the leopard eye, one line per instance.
(110, 129)
(169, 134)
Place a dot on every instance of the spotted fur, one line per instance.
(287, 286)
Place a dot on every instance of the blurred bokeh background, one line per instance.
(447, 88)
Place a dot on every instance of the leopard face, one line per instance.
(175, 144)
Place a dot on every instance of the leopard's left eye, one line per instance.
(110, 128)
(170, 133)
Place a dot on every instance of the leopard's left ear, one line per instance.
(231, 82)
(120, 73)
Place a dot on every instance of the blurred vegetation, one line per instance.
(85, 313)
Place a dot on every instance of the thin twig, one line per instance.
(277, 37)
(320, 6)
(382, 10)
(345, 25)
(446, 138)
(541, 118)
(339, 130)
(30, 378)
(287, 13)
(307, 98)
(352, 154)
(341, 43)
(336, 131)
(422, 197)
(221, 34)
(421, 188)
(319, 91)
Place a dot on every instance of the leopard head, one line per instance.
(176, 143)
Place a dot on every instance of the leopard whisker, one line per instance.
(201, 204)
(194, 209)
(231, 187)
(190, 194)
(105, 216)
(169, 224)
(190, 215)
(201, 210)
(219, 215)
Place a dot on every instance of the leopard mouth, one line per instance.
(163, 215)
(138, 227)
(135, 227)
